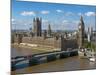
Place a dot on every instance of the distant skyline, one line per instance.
(59, 16)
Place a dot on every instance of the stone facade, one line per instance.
(41, 41)
(81, 32)
(49, 30)
(68, 44)
(61, 43)
(57, 40)
(37, 26)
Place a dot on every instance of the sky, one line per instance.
(59, 16)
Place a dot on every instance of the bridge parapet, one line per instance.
(50, 56)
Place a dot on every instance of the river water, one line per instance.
(66, 64)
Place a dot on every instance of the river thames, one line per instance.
(66, 64)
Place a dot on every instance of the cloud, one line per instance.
(45, 22)
(90, 14)
(64, 21)
(45, 12)
(13, 23)
(68, 25)
(59, 11)
(28, 13)
(21, 24)
(76, 22)
(12, 19)
(69, 14)
(79, 14)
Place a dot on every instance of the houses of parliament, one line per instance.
(60, 40)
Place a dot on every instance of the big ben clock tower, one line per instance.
(81, 32)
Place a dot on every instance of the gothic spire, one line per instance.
(81, 20)
(49, 30)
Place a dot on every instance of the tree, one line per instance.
(90, 45)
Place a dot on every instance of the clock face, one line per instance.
(79, 26)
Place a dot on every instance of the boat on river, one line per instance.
(87, 54)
